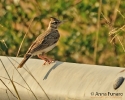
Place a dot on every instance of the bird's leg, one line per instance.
(47, 59)
(43, 58)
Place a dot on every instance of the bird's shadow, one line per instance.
(56, 65)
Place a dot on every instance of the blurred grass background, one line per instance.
(84, 37)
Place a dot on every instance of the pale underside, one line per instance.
(44, 50)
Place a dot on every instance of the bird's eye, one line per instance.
(54, 22)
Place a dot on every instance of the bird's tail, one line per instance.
(24, 61)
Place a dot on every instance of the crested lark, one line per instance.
(44, 43)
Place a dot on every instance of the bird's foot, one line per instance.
(48, 60)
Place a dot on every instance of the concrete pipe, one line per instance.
(59, 81)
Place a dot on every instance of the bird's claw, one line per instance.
(49, 61)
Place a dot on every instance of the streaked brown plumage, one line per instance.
(44, 42)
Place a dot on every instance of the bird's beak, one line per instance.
(63, 21)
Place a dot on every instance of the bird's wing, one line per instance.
(43, 41)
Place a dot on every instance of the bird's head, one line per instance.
(54, 23)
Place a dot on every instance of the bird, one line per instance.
(44, 43)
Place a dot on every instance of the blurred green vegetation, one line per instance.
(78, 34)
